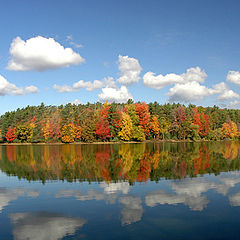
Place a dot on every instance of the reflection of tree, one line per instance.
(114, 162)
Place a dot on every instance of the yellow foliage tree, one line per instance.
(155, 127)
(126, 127)
(68, 133)
(230, 130)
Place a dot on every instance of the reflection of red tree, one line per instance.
(182, 169)
(102, 158)
(145, 168)
(11, 153)
(203, 161)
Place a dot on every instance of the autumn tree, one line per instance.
(164, 126)
(24, 133)
(144, 117)
(126, 127)
(230, 130)
(154, 126)
(203, 121)
(10, 135)
(68, 133)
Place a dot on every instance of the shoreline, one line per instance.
(118, 142)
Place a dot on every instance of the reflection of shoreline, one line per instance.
(124, 162)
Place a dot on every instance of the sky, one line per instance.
(77, 51)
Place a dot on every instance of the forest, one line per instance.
(114, 122)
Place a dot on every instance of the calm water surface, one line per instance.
(120, 191)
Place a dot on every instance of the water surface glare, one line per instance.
(120, 191)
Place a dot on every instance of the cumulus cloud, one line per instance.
(132, 209)
(31, 89)
(130, 70)
(39, 54)
(189, 92)
(160, 81)
(234, 77)
(192, 75)
(89, 86)
(76, 102)
(62, 89)
(225, 92)
(44, 225)
(233, 104)
(7, 88)
(120, 95)
(188, 86)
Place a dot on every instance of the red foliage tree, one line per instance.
(102, 129)
(179, 114)
(10, 135)
(144, 117)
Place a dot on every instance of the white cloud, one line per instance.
(109, 82)
(31, 89)
(62, 89)
(39, 53)
(233, 104)
(74, 44)
(115, 95)
(76, 102)
(130, 70)
(188, 92)
(160, 81)
(192, 75)
(43, 225)
(89, 86)
(225, 92)
(7, 88)
(234, 77)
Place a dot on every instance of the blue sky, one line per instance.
(150, 50)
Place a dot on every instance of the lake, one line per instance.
(120, 191)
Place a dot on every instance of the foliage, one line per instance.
(68, 133)
(10, 135)
(104, 122)
(24, 133)
(126, 127)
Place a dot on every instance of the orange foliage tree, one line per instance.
(203, 121)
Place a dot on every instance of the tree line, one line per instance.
(118, 122)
